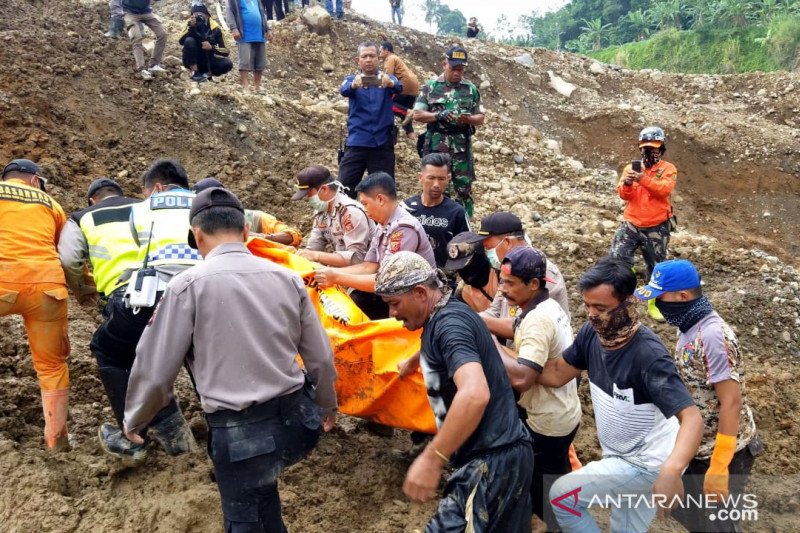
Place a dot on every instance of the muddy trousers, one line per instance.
(114, 347)
(696, 519)
(653, 242)
(43, 307)
(251, 448)
(491, 493)
(134, 25)
(550, 461)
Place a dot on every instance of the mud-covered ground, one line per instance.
(70, 100)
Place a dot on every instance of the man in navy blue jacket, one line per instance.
(370, 121)
(138, 14)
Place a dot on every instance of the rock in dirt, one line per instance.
(317, 19)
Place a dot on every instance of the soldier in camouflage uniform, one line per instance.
(708, 359)
(451, 106)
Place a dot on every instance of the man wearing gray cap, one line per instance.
(473, 403)
(243, 357)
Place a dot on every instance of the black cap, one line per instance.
(461, 249)
(207, 183)
(457, 55)
(213, 197)
(309, 178)
(500, 223)
(99, 183)
(27, 166)
(200, 8)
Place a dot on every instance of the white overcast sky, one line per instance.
(486, 11)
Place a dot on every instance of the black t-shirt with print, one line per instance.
(441, 223)
(456, 335)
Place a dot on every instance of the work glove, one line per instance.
(717, 477)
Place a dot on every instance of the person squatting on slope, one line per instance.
(259, 423)
(646, 186)
(204, 50)
(32, 285)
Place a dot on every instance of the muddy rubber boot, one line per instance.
(115, 28)
(55, 405)
(115, 444)
(653, 311)
(173, 433)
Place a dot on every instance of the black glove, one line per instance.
(444, 116)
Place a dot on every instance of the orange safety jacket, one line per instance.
(647, 200)
(30, 224)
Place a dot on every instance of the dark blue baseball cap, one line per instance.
(670, 276)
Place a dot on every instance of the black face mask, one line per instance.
(684, 315)
(476, 273)
(651, 156)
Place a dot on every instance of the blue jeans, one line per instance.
(339, 7)
(397, 12)
(603, 481)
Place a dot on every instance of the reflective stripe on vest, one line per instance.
(111, 246)
(169, 213)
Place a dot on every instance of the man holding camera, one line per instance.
(451, 107)
(370, 119)
(646, 186)
(204, 50)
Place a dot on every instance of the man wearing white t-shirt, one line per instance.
(647, 423)
(542, 332)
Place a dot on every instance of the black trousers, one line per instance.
(372, 304)
(357, 159)
(114, 347)
(206, 61)
(551, 461)
(497, 485)
(696, 519)
(281, 8)
(251, 448)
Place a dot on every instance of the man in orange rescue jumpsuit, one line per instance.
(32, 284)
(648, 211)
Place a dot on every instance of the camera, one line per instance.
(636, 165)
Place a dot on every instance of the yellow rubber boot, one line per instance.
(653, 311)
(55, 404)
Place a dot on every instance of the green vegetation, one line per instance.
(711, 36)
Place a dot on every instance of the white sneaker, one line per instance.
(146, 74)
(155, 69)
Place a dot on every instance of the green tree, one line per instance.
(431, 7)
(702, 12)
(734, 13)
(450, 21)
(667, 14)
(596, 32)
(641, 22)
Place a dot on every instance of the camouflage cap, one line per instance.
(401, 272)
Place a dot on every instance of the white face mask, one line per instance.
(491, 255)
(318, 205)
